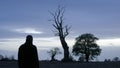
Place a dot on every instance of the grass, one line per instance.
(13, 64)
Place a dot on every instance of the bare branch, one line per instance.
(58, 18)
(66, 30)
(55, 26)
(51, 13)
(55, 32)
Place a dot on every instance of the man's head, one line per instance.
(29, 39)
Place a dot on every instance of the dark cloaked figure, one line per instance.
(27, 54)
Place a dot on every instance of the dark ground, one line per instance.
(13, 64)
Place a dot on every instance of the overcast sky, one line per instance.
(20, 18)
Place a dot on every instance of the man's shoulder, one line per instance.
(22, 46)
(34, 46)
(25, 46)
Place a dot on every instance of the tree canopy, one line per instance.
(86, 47)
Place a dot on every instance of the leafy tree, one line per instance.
(12, 58)
(53, 52)
(86, 46)
(107, 60)
(6, 58)
(1, 57)
(116, 59)
(61, 30)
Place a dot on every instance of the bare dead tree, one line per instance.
(61, 30)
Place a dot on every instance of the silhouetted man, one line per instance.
(27, 54)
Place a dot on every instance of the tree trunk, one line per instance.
(52, 58)
(65, 48)
(86, 54)
(87, 57)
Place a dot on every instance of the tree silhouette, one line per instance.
(53, 52)
(1, 57)
(61, 30)
(6, 58)
(86, 46)
(115, 59)
(27, 54)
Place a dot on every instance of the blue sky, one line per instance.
(20, 18)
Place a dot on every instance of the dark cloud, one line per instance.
(84, 16)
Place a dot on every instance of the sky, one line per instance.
(20, 18)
